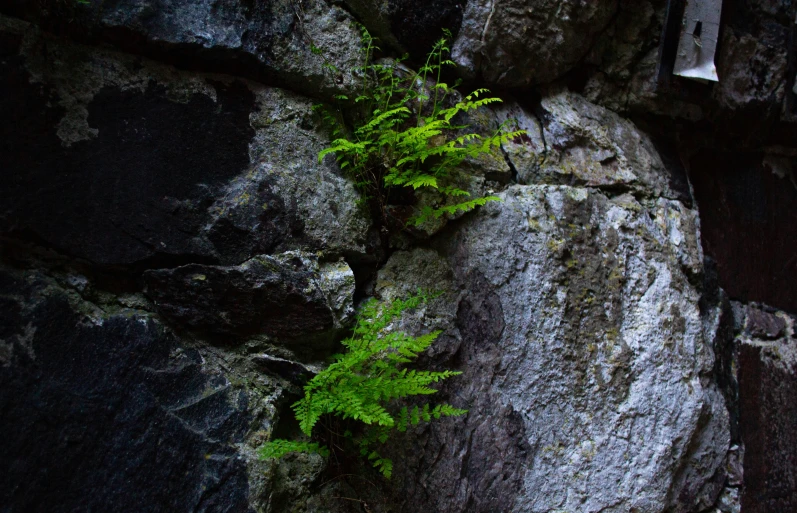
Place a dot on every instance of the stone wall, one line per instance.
(176, 262)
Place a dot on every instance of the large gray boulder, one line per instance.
(163, 165)
(587, 366)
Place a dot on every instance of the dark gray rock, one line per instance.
(268, 41)
(107, 409)
(165, 167)
(408, 25)
(765, 325)
(518, 43)
(113, 413)
(753, 62)
(287, 297)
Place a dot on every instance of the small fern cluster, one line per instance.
(408, 137)
(365, 383)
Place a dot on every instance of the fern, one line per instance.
(391, 147)
(365, 383)
(279, 448)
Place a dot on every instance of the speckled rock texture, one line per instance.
(571, 141)
(587, 371)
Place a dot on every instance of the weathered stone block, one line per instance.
(287, 297)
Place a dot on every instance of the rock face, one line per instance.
(273, 41)
(201, 167)
(750, 106)
(176, 262)
(133, 420)
(519, 43)
(572, 141)
(287, 296)
(579, 311)
(107, 409)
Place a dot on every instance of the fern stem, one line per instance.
(441, 43)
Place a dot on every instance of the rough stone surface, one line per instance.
(767, 388)
(585, 364)
(518, 43)
(753, 61)
(288, 296)
(172, 263)
(163, 165)
(267, 41)
(107, 411)
(572, 141)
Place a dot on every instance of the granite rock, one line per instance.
(586, 367)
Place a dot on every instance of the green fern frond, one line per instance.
(278, 448)
(364, 383)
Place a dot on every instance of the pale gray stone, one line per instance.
(586, 368)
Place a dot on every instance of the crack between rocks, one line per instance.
(509, 163)
(189, 57)
(40, 254)
(542, 135)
